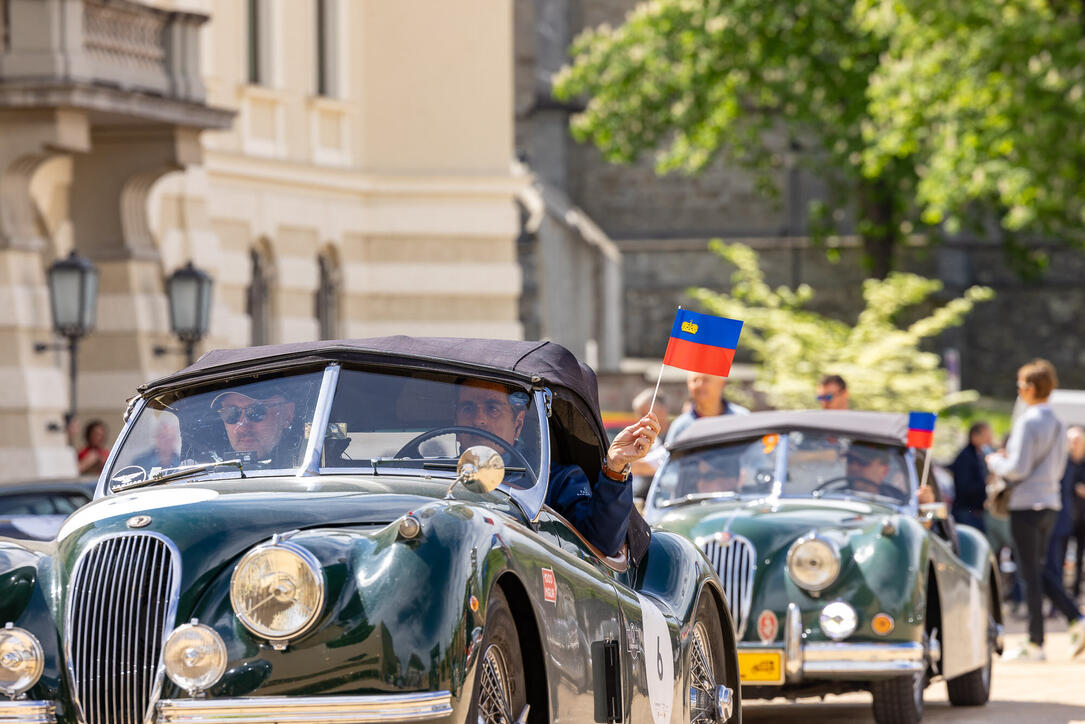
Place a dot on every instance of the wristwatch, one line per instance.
(617, 477)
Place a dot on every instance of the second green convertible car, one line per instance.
(332, 533)
(838, 580)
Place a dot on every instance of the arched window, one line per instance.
(327, 295)
(258, 300)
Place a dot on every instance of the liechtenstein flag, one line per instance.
(921, 429)
(702, 343)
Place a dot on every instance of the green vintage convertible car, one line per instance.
(838, 580)
(308, 533)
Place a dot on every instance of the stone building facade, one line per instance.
(340, 169)
(661, 226)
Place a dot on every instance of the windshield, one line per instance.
(814, 464)
(408, 423)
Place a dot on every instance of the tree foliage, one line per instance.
(912, 109)
(881, 359)
(989, 99)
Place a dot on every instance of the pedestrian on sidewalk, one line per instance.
(1033, 464)
(832, 393)
(970, 476)
(706, 400)
(1074, 479)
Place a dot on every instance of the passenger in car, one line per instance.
(599, 511)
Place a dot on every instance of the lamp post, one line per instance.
(73, 296)
(189, 292)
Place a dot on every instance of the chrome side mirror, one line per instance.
(480, 469)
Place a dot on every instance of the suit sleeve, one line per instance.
(599, 512)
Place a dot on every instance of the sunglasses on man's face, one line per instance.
(827, 397)
(257, 411)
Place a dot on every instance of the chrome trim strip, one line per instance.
(94, 636)
(321, 414)
(307, 710)
(28, 712)
(793, 643)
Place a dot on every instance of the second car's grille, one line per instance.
(733, 557)
(118, 612)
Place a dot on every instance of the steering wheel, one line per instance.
(410, 448)
(845, 481)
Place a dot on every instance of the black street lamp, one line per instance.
(189, 292)
(73, 296)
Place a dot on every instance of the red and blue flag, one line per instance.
(921, 429)
(702, 343)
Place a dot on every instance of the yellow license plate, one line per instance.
(761, 667)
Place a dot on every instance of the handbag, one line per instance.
(998, 497)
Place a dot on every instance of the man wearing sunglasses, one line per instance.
(832, 393)
(600, 511)
(255, 424)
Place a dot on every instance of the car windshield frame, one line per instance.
(656, 504)
(529, 498)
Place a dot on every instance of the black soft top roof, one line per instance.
(530, 363)
(890, 428)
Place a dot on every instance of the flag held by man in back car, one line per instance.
(921, 429)
(702, 343)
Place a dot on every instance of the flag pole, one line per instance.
(659, 379)
(926, 466)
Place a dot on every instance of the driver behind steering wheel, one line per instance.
(867, 471)
(599, 511)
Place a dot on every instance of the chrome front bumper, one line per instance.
(842, 660)
(27, 712)
(280, 709)
(307, 710)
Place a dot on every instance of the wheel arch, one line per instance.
(527, 631)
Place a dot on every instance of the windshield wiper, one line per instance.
(696, 497)
(178, 473)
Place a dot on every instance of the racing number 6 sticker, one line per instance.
(660, 677)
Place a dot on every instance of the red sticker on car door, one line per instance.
(550, 586)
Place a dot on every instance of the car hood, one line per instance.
(772, 525)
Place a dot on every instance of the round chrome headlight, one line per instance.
(813, 563)
(195, 657)
(838, 620)
(277, 590)
(21, 660)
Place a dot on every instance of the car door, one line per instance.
(964, 607)
(583, 637)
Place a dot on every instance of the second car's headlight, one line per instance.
(21, 660)
(813, 563)
(277, 590)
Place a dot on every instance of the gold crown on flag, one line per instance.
(689, 327)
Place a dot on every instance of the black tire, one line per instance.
(899, 700)
(499, 668)
(706, 663)
(974, 688)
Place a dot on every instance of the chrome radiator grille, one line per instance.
(120, 606)
(733, 557)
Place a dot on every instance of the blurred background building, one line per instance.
(339, 168)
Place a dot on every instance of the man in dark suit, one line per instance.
(970, 476)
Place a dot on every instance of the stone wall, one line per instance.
(1025, 320)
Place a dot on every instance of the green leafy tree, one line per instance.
(881, 360)
(988, 99)
(911, 109)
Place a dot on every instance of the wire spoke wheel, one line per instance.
(702, 679)
(494, 706)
